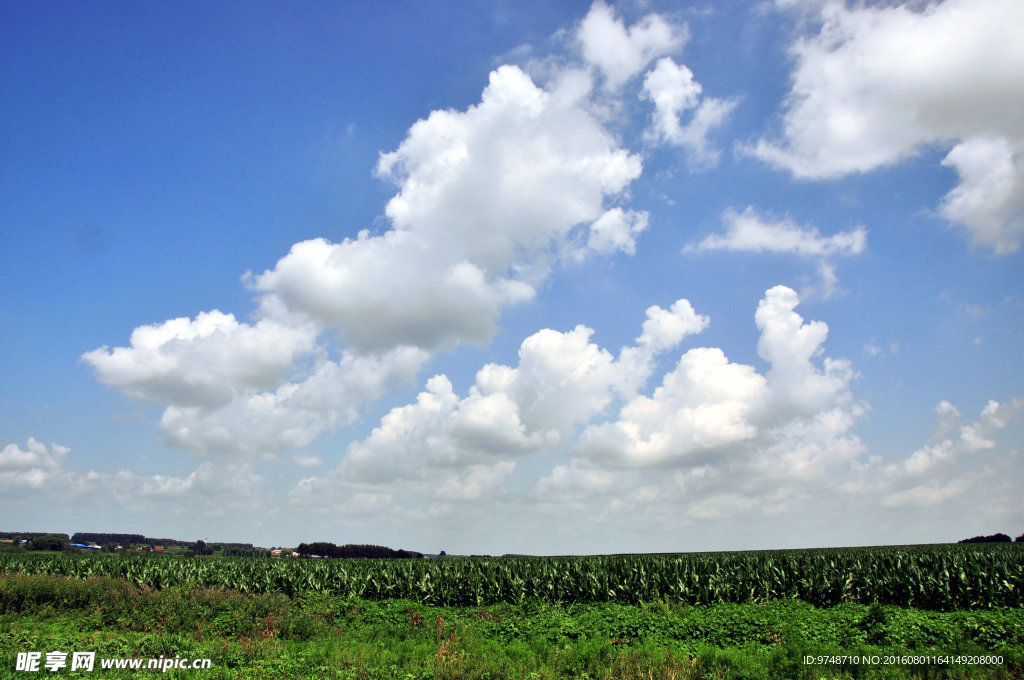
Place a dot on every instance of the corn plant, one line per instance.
(942, 577)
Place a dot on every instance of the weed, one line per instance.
(323, 636)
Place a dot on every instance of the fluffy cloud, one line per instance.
(37, 474)
(949, 466)
(620, 52)
(711, 431)
(33, 467)
(616, 230)
(715, 441)
(561, 382)
(709, 407)
(488, 199)
(799, 386)
(296, 412)
(968, 474)
(781, 444)
(238, 388)
(750, 232)
(879, 83)
(673, 90)
(701, 405)
(508, 176)
(387, 291)
(990, 196)
(209, 483)
(202, 361)
(570, 433)
(578, 479)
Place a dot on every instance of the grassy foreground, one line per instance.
(326, 636)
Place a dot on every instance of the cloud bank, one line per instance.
(489, 200)
(571, 436)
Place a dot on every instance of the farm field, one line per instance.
(713, 615)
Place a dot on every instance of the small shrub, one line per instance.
(300, 626)
(873, 624)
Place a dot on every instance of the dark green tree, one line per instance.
(994, 538)
(48, 542)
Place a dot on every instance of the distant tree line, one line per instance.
(48, 542)
(25, 535)
(231, 550)
(103, 539)
(994, 538)
(199, 547)
(126, 539)
(324, 549)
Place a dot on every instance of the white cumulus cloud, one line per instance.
(562, 381)
(32, 467)
(750, 232)
(970, 438)
(990, 196)
(296, 412)
(621, 52)
(711, 409)
(711, 429)
(674, 92)
(202, 361)
(703, 404)
(488, 199)
(879, 83)
(617, 229)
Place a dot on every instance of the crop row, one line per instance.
(930, 577)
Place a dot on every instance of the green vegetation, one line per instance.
(47, 542)
(10, 541)
(994, 538)
(941, 577)
(705, 615)
(138, 540)
(324, 636)
(349, 550)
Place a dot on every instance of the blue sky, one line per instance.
(513, 277)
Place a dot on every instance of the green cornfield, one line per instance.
(939, 577)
